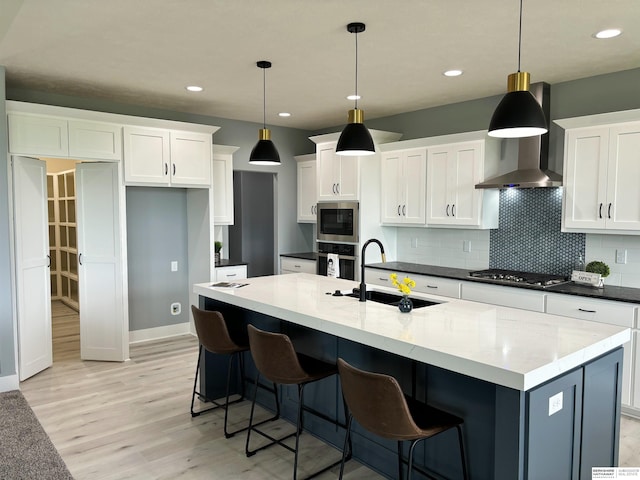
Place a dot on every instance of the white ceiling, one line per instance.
(146, 51)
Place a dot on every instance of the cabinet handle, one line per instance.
(398, 210)
(404, 210)
(609, 211)
(49, 257)
(174, 168)
(453, 210)
(586, 311)
(338, 188)
(432, 286)
(334, 188)
(231, 275)
(383, 279)
(166, 168)
(600, 211)
(80, 259)
(447, 209)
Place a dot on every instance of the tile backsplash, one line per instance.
(529, 238)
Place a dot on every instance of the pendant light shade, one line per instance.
(355, 139)
(518, 114)
(265, 152)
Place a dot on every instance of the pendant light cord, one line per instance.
(356, 70)
(264, 98)
(520, 36)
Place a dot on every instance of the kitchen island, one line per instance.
(540, 394)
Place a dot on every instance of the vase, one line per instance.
(405, 305)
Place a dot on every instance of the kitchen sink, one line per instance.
(390, 298)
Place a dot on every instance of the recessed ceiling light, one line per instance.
(608, 33)
(284, 114)
(452, 73)
(354, 97)
(194, 88)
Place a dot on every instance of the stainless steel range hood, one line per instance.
(533, 156)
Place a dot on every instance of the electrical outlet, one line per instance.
(466, 246)
(174, 266)
(621, 256)
(555, 403)
(176, 308)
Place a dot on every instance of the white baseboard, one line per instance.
(156, 333)
(10, 382)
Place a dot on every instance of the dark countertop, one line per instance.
(303, 255)
(609, 292)
(229, 263)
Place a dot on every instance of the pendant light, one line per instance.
(518, 114)
(355, 139)
(264, 153)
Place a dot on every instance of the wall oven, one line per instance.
(338, 221)
(347, 259)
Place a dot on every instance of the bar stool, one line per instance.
(276, 360)
(214, 337)
(377, 402)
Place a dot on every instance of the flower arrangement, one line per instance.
(403, 286)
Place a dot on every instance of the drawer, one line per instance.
(297, 265)
(424, 283)
(224, 274)
(505, 296)
(604, 311)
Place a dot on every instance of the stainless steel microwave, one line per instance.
(338, 221)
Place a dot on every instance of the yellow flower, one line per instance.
(404, 286)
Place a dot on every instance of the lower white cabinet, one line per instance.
(506, 296)
(603, 311)
(446, 287)
(297, 265)
(231, 274)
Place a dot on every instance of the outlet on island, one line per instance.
(176, 308)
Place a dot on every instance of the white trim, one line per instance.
(156, 333)
(608, 118)
(10, 382)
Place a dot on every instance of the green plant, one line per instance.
(598, 267)
(217, 246)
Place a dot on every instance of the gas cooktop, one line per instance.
(510, 277)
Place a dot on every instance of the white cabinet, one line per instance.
(635, 399)
(505, 296)
(297, 265)
(603, 311)
(95, 140)
(231, 274)
(453, 170)
(222, 181)
(446, 287)
(165, 157)
(337, 176)
(307, 188)
(601, 178)
(404, 180)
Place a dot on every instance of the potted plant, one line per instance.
(217, 246)
(598, 267)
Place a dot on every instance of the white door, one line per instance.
(623, 194)
(103, 322)
(465, 206)
(33, 287)
(415, 178)
(391, 197)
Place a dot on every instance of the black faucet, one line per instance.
(363, 285)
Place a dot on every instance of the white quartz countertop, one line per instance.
(510, 347)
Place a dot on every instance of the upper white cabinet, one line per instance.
(601, 178)
(453, 170)
(307, 188)
(165, 157)
(337, 176)
(404, 180)
(222, 181)
(43, 135)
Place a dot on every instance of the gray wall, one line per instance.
(7, 346)
(156, 236)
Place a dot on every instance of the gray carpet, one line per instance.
(26, 452)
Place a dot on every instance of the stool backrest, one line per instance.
(275, 357)
(212, 331)
(377, 402)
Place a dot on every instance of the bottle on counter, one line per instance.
(579, 265)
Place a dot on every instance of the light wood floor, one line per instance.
(131, 420)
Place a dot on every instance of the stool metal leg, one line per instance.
(252, 426)
(347, 442)
(465, 474)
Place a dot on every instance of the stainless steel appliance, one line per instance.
(347, 258)
(338, 221)
(511, 277)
